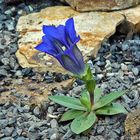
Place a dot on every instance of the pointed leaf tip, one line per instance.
(83, 122)
(71, 114)
(107, 99)
(69, 102)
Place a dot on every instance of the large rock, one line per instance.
(93, 27)
(133, 16)
(132, 125)
(34, 92)
(131, 23)
(103, 5)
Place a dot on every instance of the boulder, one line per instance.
(93, 27)
(102, 5)
(132, 15)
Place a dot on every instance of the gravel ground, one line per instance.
(116, 67)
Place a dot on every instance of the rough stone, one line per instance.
(55, 136)
(53, 123)
(3, 72)
(36, 110)
(133, 16)
(100, 26)
(26, 108)
(100, 129)
(135, 71)
(132, 124)
(18, 73)
(8, 131)
(7, 138)
(5, 61)
(94, 5)
(21, 138)
(99, 137)
(3, 123)
(124, 67)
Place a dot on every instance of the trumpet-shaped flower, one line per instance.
(60, 42)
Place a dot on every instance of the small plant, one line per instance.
(60, 42)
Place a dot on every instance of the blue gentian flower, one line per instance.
(60, 42)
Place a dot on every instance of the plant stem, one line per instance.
(91, 99)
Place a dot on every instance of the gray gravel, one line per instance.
(116, 67)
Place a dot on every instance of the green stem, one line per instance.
(91, 95)
(90, 84)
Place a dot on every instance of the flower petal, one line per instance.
(50, 30)
(43, 47)
(68, 63)
(56, 45)
(79, 58)
(56, 38)
(62, 35)
(72, 60)
(56, 32)
(70, 50)
(70, 29)
(61, 30)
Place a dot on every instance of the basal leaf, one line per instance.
(85, 100)
(113, 109)
(71, 114)
(83, 122)
(69, 102)
(105, 100)
(97, 94)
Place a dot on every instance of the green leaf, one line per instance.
(87, 74)
(85, 100)
(69, 102)
(107, 99)
(113, 109)
(90, 85)
(83, 122)
(97, 94)
(71, 114)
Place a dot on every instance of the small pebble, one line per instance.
(8, 131)
(55, 136)
(124, 67)
(54, 123)
(26, 108)
(21, 138)
(100, 129)
(18, 73)
(36, 110)
(135, 71)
